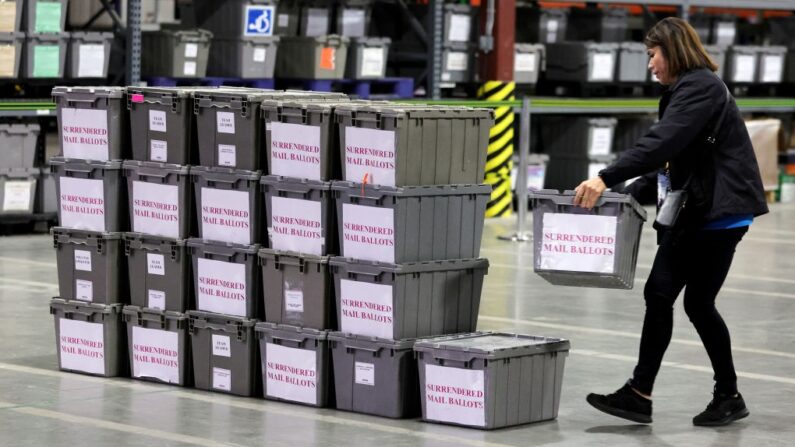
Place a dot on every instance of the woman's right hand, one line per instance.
(588, 192)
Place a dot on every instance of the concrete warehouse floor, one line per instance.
(41, 406)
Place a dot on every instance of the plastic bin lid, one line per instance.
(291, 257)
(375, 267)
(205, 244)
(282, 183)
(262, 40)
(452, 7)
(84, 307)
(202, 35)
(744, 48)
(322, 40)
(20, 172)
(77, 164)
(291, 331)
(370, 41)
(19, 128)
(567, 197)
(632, 46)
(528, 47)
(153, 239)
(379, 191)
(490, 345)
(69, 233)
(10, 37)
(773, 49)
(91, 36)
(369, 343)
(217, 173)
(414, 110)
(220, 319)
(47, 37)
(309, 103)
(180, 92)
(155, 166)
(100, 92)
(140, 312)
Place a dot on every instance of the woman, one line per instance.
(725, 194)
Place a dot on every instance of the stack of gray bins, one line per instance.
(46, 42)
(541, 25)
(409, 235)
(92, 127)
(12, 39)
(20, 177)
(528, 62)
(89, 55)
(175, 53)
(458, 51)
(581, 62)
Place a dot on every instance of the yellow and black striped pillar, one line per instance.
(499, 160)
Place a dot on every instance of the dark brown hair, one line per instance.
(680, 45)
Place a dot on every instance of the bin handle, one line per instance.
(359, 272)
(300, 341)
(82, 171)
(227, 181)
(220, 255)
(88, 100)
(285, 113)
(160, 175)
(69, 313)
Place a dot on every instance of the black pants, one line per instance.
(697, 261)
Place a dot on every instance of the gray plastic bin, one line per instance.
(288, 17)
(90, 338)
(89, 55)
(353, 17)
(46, 16)
(375, 376)
(489, 379)
(297, 289)
(91, 266)
(718, 55)
(295, 364)
(11, 51)
(541, 25)
(457, 23)
(315, 18)
(408, 146)
(772, 62)
(299, 215)
(48, 201)
(597, 24)
(228, 204)
(226, 278)
(249, 57)
(18, 143)
(18, 190)
(157, 343)
(581, 62)
(160, 272)
(528, 62)
(586, 248)
(409, 224)
(45, 55)
(398, 301)
(225, 355)
(11, 15)
(322, 57)
(236, 18)
(742, 62)
(577, 136)
(458, 62)
(178, 54)
(92, 123)
(367, 57)
(632, 62)
(160, 198)
(90, 194)
(162, 124)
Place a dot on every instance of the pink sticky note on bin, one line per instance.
(137, 98)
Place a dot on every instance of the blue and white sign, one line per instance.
(259, 20)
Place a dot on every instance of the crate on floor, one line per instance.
(90, 194)
(375, 376)
(93, 123)
(91, 266)
(225, 354)
(160, 198)
(89, 55)
(45, 55)
(90, 338)
(228, 204)
(11, 46)
(160, 272)
(490, 380)
(157, 343)
(297, 289)
(586, 248)
(175, 53)
(295, 364)
(18, 190)
(248, 57)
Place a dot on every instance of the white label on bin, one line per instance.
(601, 141)
(368, 233)
(284, 20)
(370, 152)
(595, 168)
(158, 150)
(773, 68)
(222, 287)
(156, 209)
(83, 260)
(82, 346)
(744, 67)
(222, 379)
(603, 67)
(455, 395)
(84, 134)
(525, 62)
(726, 33)
(290, 373)
(17, 195)
(156, 299)
(225, 216)
(372, 62)
(155, 354)
(460, 25)
(189, 69)
(354, 22)
(295, 150)
(191, 50)
(225, 122)
(92, 61)
(552, 31)
(259, 55)
(227, 155)
(222, 346)
(366, 309)
(157, 120)
(456, 61)
(84, 290)
(82, 204)
(316, 22)
(293, 300)
(296, 225)
(155, 264)
(365, 373)
(578, 243)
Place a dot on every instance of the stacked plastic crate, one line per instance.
(92, 127)
(12, 39)
(46, 42)
(458, 53)
(18, 172)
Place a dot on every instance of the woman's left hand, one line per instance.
(588, 192)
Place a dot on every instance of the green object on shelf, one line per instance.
(48, 17)
(46, 61)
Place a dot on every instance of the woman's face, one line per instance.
(658, 65)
